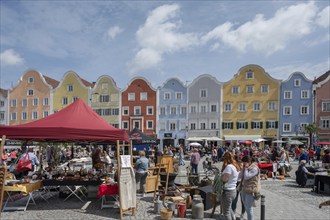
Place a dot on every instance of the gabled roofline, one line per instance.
(173, 78)
(80, 80)
(41, 76)
(136, 78)
(295, 73)
(105, 76)
(203, 76)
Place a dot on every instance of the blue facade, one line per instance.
(296, 106)
(172, 113)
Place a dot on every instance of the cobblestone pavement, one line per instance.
(283, 200)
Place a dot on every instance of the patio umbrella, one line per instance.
(259, 140)
(295, 142)
(279, 141)
(194, 144)
(245, 142)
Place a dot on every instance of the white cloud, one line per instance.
(11, 58)
(158, 36)
(323, 18)
(267, 35)
(114, 31)
(310, 70)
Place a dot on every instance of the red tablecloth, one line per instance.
(105, 190)
(265, 166)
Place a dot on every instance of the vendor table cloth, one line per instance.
(105, 190)
(266, 166)
(26, 188)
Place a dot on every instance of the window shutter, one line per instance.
(223, 125)
(232, 125)
(237, 125)
(252, 124)
(261, 124)
(267, 124)
(246, 125)
(276, 124)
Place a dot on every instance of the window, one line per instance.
(256, 125)
(162, 110)
(125, 110)
(271, 124)
(304, 110)
(286, 127)
(272, 106)
(183, 110)
(235, 90)
(203, 93)
(34, 115)
(2, 115)
(304, 94)
(46, 102)
(241, 107)
(131, 96)
(192, 126)
(192, 109)
(137, 110)
(203, 126)
(45, 114)
(30, 92)
(116, 125)
(249, 75)
(172, 126)
(213, 108)
(287, 94)
(125, 125)
(13, 116)
(264, 88)
(325, 123)
(256, 106)
(24, 102)
(150, 110)
(35, 102)
(64, 100)
(326, 106)
(30, 80)
(242, 125)
(287, 110)
(104, 98)
(74, 98)
(13, 103)
(24, 116)
(173, 111)
(227, 107)
(249, 89)
(178, 95)
(203, 109)
(227, 125)
(297, 82)
(167, 96)
(162, 126)
(213, 125)
(2, 103)
(69, 88)
(114, 111)
(136, 124)
(143, 96)
(150, 124)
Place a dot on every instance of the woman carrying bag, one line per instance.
(250, 185)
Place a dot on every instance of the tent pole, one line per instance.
(118, 179)
(3, 141)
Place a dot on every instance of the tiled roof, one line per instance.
(86, 83)
(322, 77)
(4, 92)
(53, 82)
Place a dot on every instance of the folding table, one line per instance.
(108, 190)
(25, 188)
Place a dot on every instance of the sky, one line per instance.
(159, 40)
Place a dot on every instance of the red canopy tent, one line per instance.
(77, 122)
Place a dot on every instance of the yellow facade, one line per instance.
(70, 88)
(106, 100)
(250, 102)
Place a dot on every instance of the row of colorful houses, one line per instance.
(251, 105)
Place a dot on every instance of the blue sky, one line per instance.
(162, 39)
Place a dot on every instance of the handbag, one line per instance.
(24, 164)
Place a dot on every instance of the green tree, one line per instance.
(311, 129)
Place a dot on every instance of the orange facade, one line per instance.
(139, 107)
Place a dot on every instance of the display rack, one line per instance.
(124, 148)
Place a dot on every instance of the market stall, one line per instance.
(76, 124)
(140, 140)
